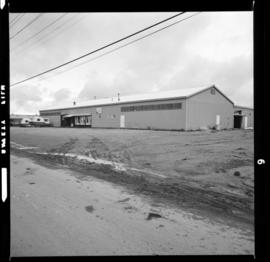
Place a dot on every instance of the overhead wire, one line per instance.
(65, 25)
(129, 43)
(99, 49)
(11, 21)
(122, 46)
(70, 23)
(37, 33)
(15, 22)
(48, 35)
(28, 24)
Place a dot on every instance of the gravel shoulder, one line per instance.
(60, 212)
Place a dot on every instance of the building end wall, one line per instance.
(206, 108)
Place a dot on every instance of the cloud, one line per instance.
(26, 93)
(62, 94)
(197, 71)
(95, 88)
(228, 76)
(25, 98)
(210, 48)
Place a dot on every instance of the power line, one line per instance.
(28, 24)
(44, 28)
(11, 21)
(56, 31)
(99, 49)
(122, 46)
(45, 37)
(11, 26)
(60, 29)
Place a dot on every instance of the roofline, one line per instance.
(21, 116)
(141, 101)
(120, 103)
(212, 86)
(246, 107)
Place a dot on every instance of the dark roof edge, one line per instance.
(246, 107)
(203, 90)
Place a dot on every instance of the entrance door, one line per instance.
(64, 121)
(122, 121)
(89, 120)
(237, 121)
(245, 122)
(218, 122)
(67, 121)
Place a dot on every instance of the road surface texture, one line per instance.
(126, 192)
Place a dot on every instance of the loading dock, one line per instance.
(76, 120)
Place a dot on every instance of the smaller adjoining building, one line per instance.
(243, 117)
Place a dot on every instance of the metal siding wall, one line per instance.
(107, 119)
(249, 114)
(54, 120)
(158, 119)
(203, 108)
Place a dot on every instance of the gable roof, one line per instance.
(213, 86)
(147, 97)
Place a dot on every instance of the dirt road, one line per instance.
(59, 212)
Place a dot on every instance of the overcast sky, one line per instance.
(209, 48)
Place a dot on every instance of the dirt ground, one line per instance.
(60, 212)
(206, 170)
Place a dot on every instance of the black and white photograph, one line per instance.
(131, 133)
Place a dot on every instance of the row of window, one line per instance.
(170, 106)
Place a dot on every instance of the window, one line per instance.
(171, 106)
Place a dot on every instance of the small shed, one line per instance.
(243, 117)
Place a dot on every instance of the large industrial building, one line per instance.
(183, 109)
